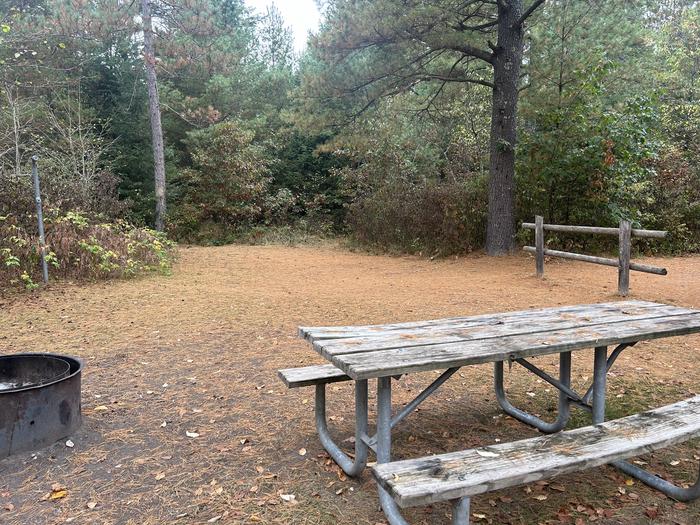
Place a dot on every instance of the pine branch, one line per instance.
(527, 13)
(475, 52)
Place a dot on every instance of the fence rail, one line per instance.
(625, 232)
(656, 234)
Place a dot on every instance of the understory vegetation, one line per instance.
(80, 248)
(351, 137)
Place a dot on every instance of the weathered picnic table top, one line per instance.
(364, 352)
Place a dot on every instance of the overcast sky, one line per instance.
(301, 15)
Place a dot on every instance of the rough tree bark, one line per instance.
(507, 57)
(154, 108)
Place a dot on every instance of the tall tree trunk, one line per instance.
(154, 108)
(500, 231)
(12, 103)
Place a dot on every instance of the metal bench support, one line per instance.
(563, 385)
(413, 404)
(610, 361)
(567, 396)
(350, 467)
(363, 441)
(667, 488)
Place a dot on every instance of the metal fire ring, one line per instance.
(43, 405)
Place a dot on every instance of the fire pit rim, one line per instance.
(75, 364)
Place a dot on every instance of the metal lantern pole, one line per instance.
(40, 219)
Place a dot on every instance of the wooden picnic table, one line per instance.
(391, 350)
(364, 352)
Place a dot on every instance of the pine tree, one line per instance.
(368, 50)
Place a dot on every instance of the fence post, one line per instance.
(40, 219)
(539, 245)
(623, 275)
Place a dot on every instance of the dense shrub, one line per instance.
(311, 177)
(79, 248)
(590, 161)
(431, 217)
(675, 203)
(225, 190)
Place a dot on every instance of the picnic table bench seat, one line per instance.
(311, 375)
(457, 476)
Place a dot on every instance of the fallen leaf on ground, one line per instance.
(57, 492)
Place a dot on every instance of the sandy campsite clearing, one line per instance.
(196, 354)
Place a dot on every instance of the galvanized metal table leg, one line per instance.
(460, 507)
(460, 511)
(600, 375)
(525, 417)
(412, 405)
(611, 361)
(389, 506)
(350, 467)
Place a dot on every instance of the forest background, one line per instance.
(345, 139)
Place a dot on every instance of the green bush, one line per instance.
(591, 159)
(428, 217)
(225, 190)
(78, 247)
(675, 204)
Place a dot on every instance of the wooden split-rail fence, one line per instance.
(625, 232)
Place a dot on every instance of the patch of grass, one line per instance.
(288, 235)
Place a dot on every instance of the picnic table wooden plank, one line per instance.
(337, 332)
(311, 375)
(467, 473)
(382, 363)
(537, 323)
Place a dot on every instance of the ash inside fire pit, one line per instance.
(39, 400)
(23, 371)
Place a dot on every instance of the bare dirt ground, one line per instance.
(198, 352)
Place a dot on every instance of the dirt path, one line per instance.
(197, 352)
